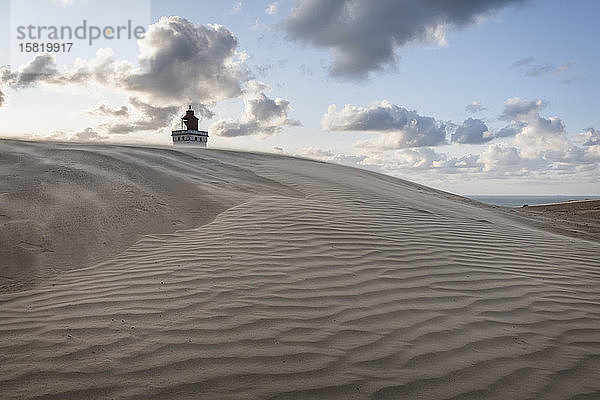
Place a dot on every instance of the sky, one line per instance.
(471, 97)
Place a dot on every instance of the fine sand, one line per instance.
(160, 273)
(579, 218)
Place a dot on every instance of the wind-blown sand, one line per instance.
(141, 273)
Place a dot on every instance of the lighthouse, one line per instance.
(190, 135)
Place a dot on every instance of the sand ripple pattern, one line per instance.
(366, 287)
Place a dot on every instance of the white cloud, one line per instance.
(272, 8)
(499, 155)
(109, 111)
(591, 137)
(537, 136)
(420, 158)
(178, 62)
(315, 153)
(66, 3)
(398, 127)
(236, 8)
(151, 118)
(260, 26)
(86, 135)
(542, 137)
(41, 68)
(539, 147)
(520, 110)
(261, 116)
(592, 153)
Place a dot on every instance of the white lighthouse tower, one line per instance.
(190, 135)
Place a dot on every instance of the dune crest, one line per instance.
(312, 281)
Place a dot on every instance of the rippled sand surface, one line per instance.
(310, 281)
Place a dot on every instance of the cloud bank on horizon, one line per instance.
(540, 146)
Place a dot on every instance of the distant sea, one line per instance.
(519, 201)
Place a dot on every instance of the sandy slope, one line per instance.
(574, 218)
(308, 281)
(67, 206)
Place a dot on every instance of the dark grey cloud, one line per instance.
(2, 98)
(472, 131)
(180, 59)
(363, 35)
(402, 128)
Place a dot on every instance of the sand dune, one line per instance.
(67, 206)
(574, 218)
(287, 279)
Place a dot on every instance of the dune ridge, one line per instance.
(328, 282)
